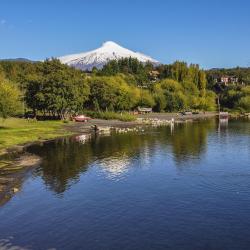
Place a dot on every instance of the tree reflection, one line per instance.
(64, 160)
(189, 140)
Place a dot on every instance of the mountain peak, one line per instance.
(110, 44)
(99, 57)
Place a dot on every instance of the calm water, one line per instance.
(188, 188)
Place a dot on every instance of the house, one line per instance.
(154, 75)
(225, 80)
(144, 110)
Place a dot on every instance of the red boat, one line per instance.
(81, 118)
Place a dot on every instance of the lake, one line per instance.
(186, 187)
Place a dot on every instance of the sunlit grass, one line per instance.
(14, 131)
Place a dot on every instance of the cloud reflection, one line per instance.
(115, 167)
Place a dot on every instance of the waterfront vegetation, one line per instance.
(236, 99)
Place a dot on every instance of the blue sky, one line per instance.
(211, 33)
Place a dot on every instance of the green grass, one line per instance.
(124, 116)
(14, 131)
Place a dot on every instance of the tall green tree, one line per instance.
(59, 90)
(9, 98)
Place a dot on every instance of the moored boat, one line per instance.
(81, 118)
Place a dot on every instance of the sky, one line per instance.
(210, 33)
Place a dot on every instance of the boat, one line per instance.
(81, 118)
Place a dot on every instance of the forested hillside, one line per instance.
(54, 89)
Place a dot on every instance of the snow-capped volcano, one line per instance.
(99, 57)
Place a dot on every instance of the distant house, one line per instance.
(154, 75)
(225, 80)
(144, 110)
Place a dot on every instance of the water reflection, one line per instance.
(133, 186)
(66, 159)
(190, 140)
(63, 161)
(115, 167)
(222, 125)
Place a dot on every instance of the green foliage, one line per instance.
(17, 72)
(58, 90)
(244, 103)
(54, 89)
(131, 67)
(146, 99)
(169, 96)
(125, 65)
(160, 99)
(182, 72)
(207, 102)
(9, 98)
(18, 131)
(112, 93)
(236, 97)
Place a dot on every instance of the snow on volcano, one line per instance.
(99, 57)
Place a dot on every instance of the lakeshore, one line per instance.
(16, 133)
(142, 119)
(15, 163)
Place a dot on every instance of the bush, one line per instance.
(244, 103)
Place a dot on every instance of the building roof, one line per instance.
(144, 109)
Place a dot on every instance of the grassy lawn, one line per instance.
(14, 131)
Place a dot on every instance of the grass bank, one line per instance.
(14, 131)
(123, 116)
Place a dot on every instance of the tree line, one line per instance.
(53, 89)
